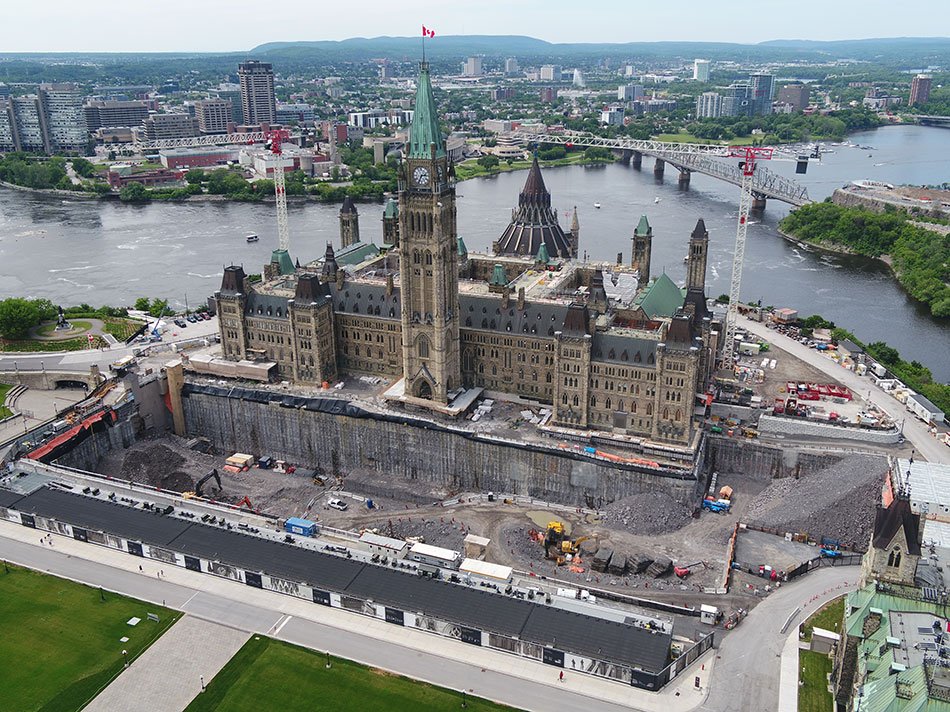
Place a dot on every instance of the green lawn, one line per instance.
(121, 329)
(828, 617)
(4, 412)
(77, 344)
(50, 329)
(471, 169)
(268, 675)
(60, 643)
(813, 696)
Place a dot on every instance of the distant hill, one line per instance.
(908, 49)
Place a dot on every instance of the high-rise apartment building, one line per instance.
(708, 105)
(795, 95)
(739, 100)
(701, 70)
(763, 87)
(214, 115)
(257, 92)
(50, 121)
(99, 114)
(551, 73)
(920, 89)
(549, 95)
(630, 92)
(472, 67)
(512, 66)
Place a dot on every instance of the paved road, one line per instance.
(748, 673)
(915, 431)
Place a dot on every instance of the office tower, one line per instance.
(472, 67)
(551, 73)
(214, 115)
(763, 87)
(99, 114)
(257, 92)
(739, 100)
(795, 95)
(512, 66)
(232, 93)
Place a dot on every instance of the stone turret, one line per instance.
(642, 247)
(498, 281)
(330, 266)
(349, 223)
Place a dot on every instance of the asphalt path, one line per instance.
(80, 361)
(915, 431)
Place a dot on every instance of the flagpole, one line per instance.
(423, 44)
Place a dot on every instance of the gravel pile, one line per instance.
(837, 502)
(157, 465)
(444, 533)
(653, 512)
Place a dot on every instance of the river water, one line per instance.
(106, 252)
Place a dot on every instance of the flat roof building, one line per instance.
(99, 114)
(257, 92)
(165, 126)
(214, 115)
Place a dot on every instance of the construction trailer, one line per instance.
(485, 572)
(384, 545)
(924, 409)
(303, 527)
(435, 556)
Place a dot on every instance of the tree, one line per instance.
(158, 306)
(84, 168)
(195, 176)
(17, 317)
(489, 163)
(142, 304)
(884, 353)
(45, 309)
(133, 192)
(722, 299)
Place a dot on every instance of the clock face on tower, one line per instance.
(421, 176)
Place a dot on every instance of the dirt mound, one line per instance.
(648, 513)
(837, 502)
(157, 465)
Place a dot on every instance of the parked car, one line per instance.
(337, 504)
(191, 318)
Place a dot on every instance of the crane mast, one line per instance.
(749, 155)
(274, 139)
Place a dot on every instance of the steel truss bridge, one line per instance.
(687, 158)
(236, 139)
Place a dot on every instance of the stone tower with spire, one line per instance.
(696, 263)
(575, 233)
(534, 222)
(642, 246)
(349, 223)
(428, 257)
(391, 223)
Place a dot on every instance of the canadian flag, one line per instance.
(427, 32)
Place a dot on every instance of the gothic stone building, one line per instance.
(442, 320)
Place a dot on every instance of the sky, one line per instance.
(235, 25)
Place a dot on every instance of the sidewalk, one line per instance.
(503, 678)
(167, 676)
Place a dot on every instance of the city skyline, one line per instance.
(67, 27)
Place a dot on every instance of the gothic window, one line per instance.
(428, 257)
(633, 406)
(593, 401)
(607, 404)
(564, 398)
(620, 405)
(547, 377)
(666, 414)
(649, 409)
(415, 257)
(422, 347)
(534, 375)
(894, 559)
(651, 359)
(576, 402)
(678, 415)
(494, 370)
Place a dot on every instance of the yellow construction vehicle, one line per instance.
(574, 547)
(553, 538)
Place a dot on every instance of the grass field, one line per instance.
(60, 643)
(828, 617)
(50, 329)
(4, 412)
(813, 696)
(121, 329)
(268, 675)
(28, 345)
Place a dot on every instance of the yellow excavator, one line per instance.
(574, 547)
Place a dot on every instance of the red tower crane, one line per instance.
(274, 139)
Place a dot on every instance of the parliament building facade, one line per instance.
(530, 320)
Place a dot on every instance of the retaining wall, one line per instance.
(742, 456)
(460, 462)
(48, 380)
(808, 428)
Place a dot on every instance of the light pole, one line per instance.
(328, 660)
(202, 678)
(125, 658)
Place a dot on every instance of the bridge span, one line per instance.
(687, 158)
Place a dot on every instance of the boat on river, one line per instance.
(252, 238)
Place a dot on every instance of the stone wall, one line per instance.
(742, 456)
(337, 443)
(48, 380)
(809, 428)
(85, 456)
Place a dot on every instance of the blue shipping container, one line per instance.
(304, 527)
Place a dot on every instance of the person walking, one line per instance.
(561, 678)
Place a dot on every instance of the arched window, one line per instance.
(620, 405)
(607, 404)
(678, 415)
(422, 346)
(894, 559)
(576, 401)
(564, 398)
(666, 414)
(415, 257)
(547, 377)
(428, 257)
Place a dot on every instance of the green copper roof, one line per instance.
(356, 253)
(498, 276)
(543, 257)
(644, 227)
(661, 298)
(392, 209)
(282, 257)
(463, 250)
(425, 129)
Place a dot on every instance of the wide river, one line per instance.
(105, 252)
